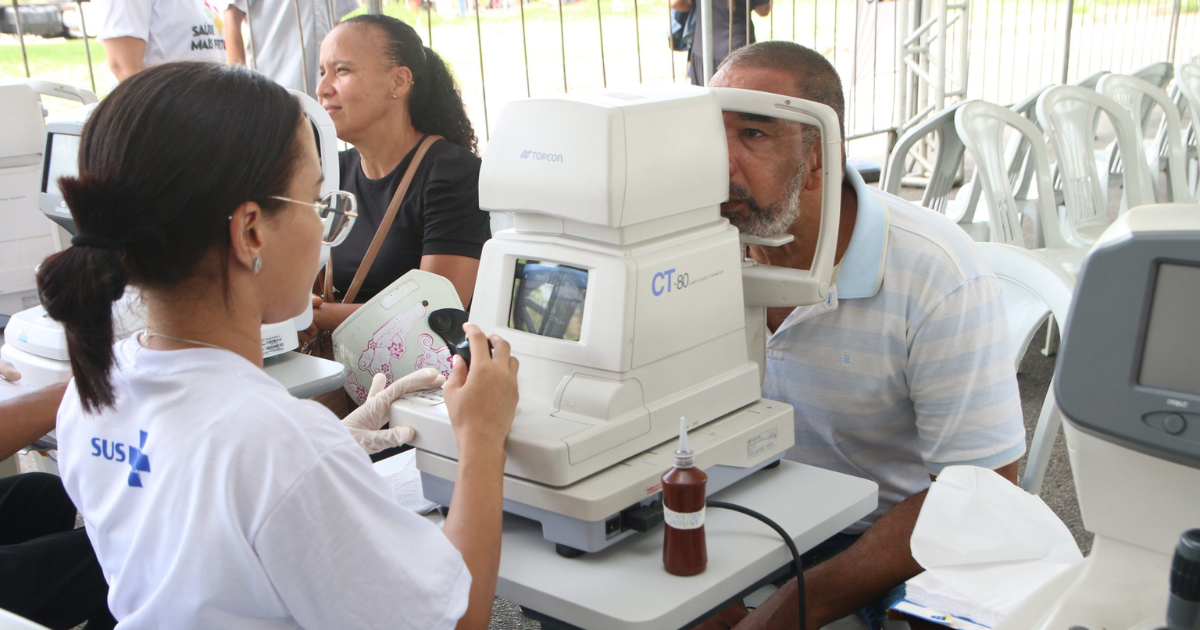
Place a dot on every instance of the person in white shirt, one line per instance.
(212, 497)
(138, 34)
(905, 370)
(283, 31)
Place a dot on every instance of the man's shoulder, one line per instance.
(928, 243)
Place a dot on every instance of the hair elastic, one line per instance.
(97, 241)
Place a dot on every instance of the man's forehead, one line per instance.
(760, 79)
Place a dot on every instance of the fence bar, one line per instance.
(428, 21)
(671, 51)
(487, 130)
(603, 63)
(374, 6)
(637, 35)
(87, 47)
(303, 57)
(1066, 55)
(524, 49)
(1173, 40)
(562, 42)
(706, 43)
(252, 62)
(21, 36)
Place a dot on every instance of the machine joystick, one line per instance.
(448, 323)
(1183, 611)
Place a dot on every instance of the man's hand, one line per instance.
(365, 421)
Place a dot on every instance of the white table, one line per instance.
(625, 586)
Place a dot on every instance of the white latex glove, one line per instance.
(8, 372)
(365, 421)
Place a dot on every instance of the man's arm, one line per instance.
(125, 56)
(235, 48)
(29, 417)
(763, 9)
(681, 5)
(864, 572)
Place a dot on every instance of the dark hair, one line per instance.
(163, 162)
(815, 78)
(434, 102)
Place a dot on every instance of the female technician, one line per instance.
(386, 93)
(213, 498)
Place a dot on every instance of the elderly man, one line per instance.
(905, 370)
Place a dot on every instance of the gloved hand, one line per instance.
(365, 421)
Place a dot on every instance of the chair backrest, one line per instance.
(1159, 75)
(948, 158)
(981, 127)
(1091, 80)
(1068, 114)
(1137, 96)
(1020, 176)
(1189, 85)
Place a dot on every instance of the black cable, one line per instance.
(797, 566)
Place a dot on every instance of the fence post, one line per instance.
(1066, 50)
(87, 47)
(21, 36)
(706, 29)
(374, 6)
(1173, 40)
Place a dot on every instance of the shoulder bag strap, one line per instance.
(384, 226)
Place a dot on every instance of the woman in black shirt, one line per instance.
(386, 92)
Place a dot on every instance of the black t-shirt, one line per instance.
(439, 215)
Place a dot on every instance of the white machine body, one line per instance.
(1129, 385)
(26, 238)
(620, 289)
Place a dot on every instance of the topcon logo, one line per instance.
(541, 157)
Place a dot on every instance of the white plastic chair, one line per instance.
(948, 159)
(1159, 75)
(1139, 97)
(10, 621)
(1035, 283)
(1068, 114)
(1188, 81)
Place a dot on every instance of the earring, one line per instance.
(257, 265)
(394, 96)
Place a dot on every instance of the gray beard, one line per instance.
(774, 219)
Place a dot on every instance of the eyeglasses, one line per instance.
(337, 212)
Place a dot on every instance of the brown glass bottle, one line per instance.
(683, 488)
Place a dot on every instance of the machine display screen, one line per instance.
(548, 299)
(63, 160)
(1171, 354)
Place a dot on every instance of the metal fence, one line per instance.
(899, 59)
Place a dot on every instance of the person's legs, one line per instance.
(33, 504)
(48, 571)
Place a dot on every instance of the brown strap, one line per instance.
(384, 227)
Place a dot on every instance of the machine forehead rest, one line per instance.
(612, 160)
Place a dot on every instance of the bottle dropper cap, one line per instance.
(684, 457)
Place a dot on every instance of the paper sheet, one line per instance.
(985, 545)
(405, 482)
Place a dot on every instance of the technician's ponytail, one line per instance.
(78, 287)
(435, 102)
(163, 162)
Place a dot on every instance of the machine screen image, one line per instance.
(62, 159)
(1171, 353)
(548, 299)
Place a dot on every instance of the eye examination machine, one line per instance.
(628, 301)
(36, 345)
(1128, 382)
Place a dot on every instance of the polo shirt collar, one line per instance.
(860, 274)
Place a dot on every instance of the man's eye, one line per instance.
(754, 133)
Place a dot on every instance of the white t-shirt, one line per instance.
(174, 30)
(276, 37)
(214, 499)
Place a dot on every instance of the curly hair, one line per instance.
(435, 102)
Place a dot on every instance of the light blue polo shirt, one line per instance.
(907, 368)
